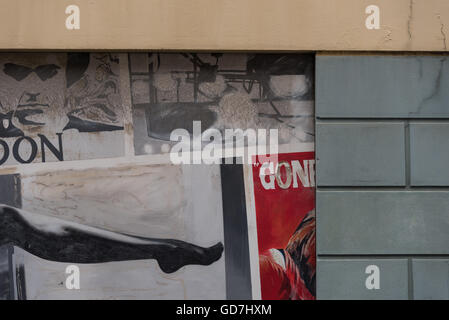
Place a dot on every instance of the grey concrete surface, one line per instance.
(429, 154)
(382, 222)
(431, 279)
(360, 154)
(382, 86)
(345, 279)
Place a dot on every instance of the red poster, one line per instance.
(284, 191)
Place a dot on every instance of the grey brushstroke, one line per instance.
(6, 283)
(10, 190)
(238, 271)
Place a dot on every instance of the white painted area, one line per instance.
(145, 200)
(83, 145)
(140, 279)
(252, 232)
(278, 257)
(203, 226)
(125, 93)
(181, 202)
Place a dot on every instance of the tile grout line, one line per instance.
(410, 279)
(407, 153)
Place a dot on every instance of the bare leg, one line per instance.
(78, 246)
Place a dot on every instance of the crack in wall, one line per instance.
(409, 21)
(442, 32)
(436, 88)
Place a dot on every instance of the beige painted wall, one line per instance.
(405, 25)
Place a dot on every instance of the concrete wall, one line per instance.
(382, 134)
(405, 25)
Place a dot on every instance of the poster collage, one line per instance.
(87, 181)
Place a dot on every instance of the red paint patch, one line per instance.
(283, 198)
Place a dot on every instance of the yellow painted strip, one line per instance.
(334, 25)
